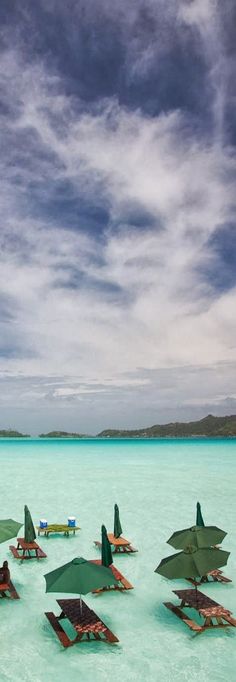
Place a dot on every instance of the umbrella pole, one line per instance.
(81, 609)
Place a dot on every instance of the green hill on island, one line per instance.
(10, 433)
(209, 426)
(61, 434)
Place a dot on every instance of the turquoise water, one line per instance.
(157, 485)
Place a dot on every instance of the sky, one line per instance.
(117, 210)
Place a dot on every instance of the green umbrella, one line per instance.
(197, 536)
(9, 529)
(30, 534)
(199, 519)
(106, 549)
(117, 524)
(192, 562)
(79, 576)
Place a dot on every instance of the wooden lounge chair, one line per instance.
(216, 576)
(86, 623)
(120, 545)
(123, 583)
(27, 550)
(57, 528)
(207, 608)
(8, 587)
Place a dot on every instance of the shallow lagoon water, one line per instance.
(156, 484)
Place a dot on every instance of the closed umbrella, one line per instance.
(9, 529)
(197, 536)
(117, 524)
(199, 519)
(106, 549)
(30, 534)
(79, 576)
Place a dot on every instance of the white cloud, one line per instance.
(145, 303)
(204, 16)
(198, 12)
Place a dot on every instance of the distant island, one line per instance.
(207, 427)
(10, 433)
(62, 434)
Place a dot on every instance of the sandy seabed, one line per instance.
(157, 485)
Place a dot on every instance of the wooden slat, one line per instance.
(9, 587)
(229, 619)
(130, 549)
(213, 576)
(124, 584)
(15, 552)
(206, 607)
(118, 549)
(14, 594)
(62, 636)
(180, 614)
(195, 599)
(77, 611)
(110, 637)
(4, 587)
(120, 545)
(85, 620)
(23, 557)
(26, 545)
(218, 576)
(85, 623)
(117, 542)
(41, 554)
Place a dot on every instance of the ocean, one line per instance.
(156, 484)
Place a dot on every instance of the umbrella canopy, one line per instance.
(197, 536)
(192, 563)
(9, 529)
(30, 534)
(79, 576)
(117, 524)
(199, 519)
(106, 549)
